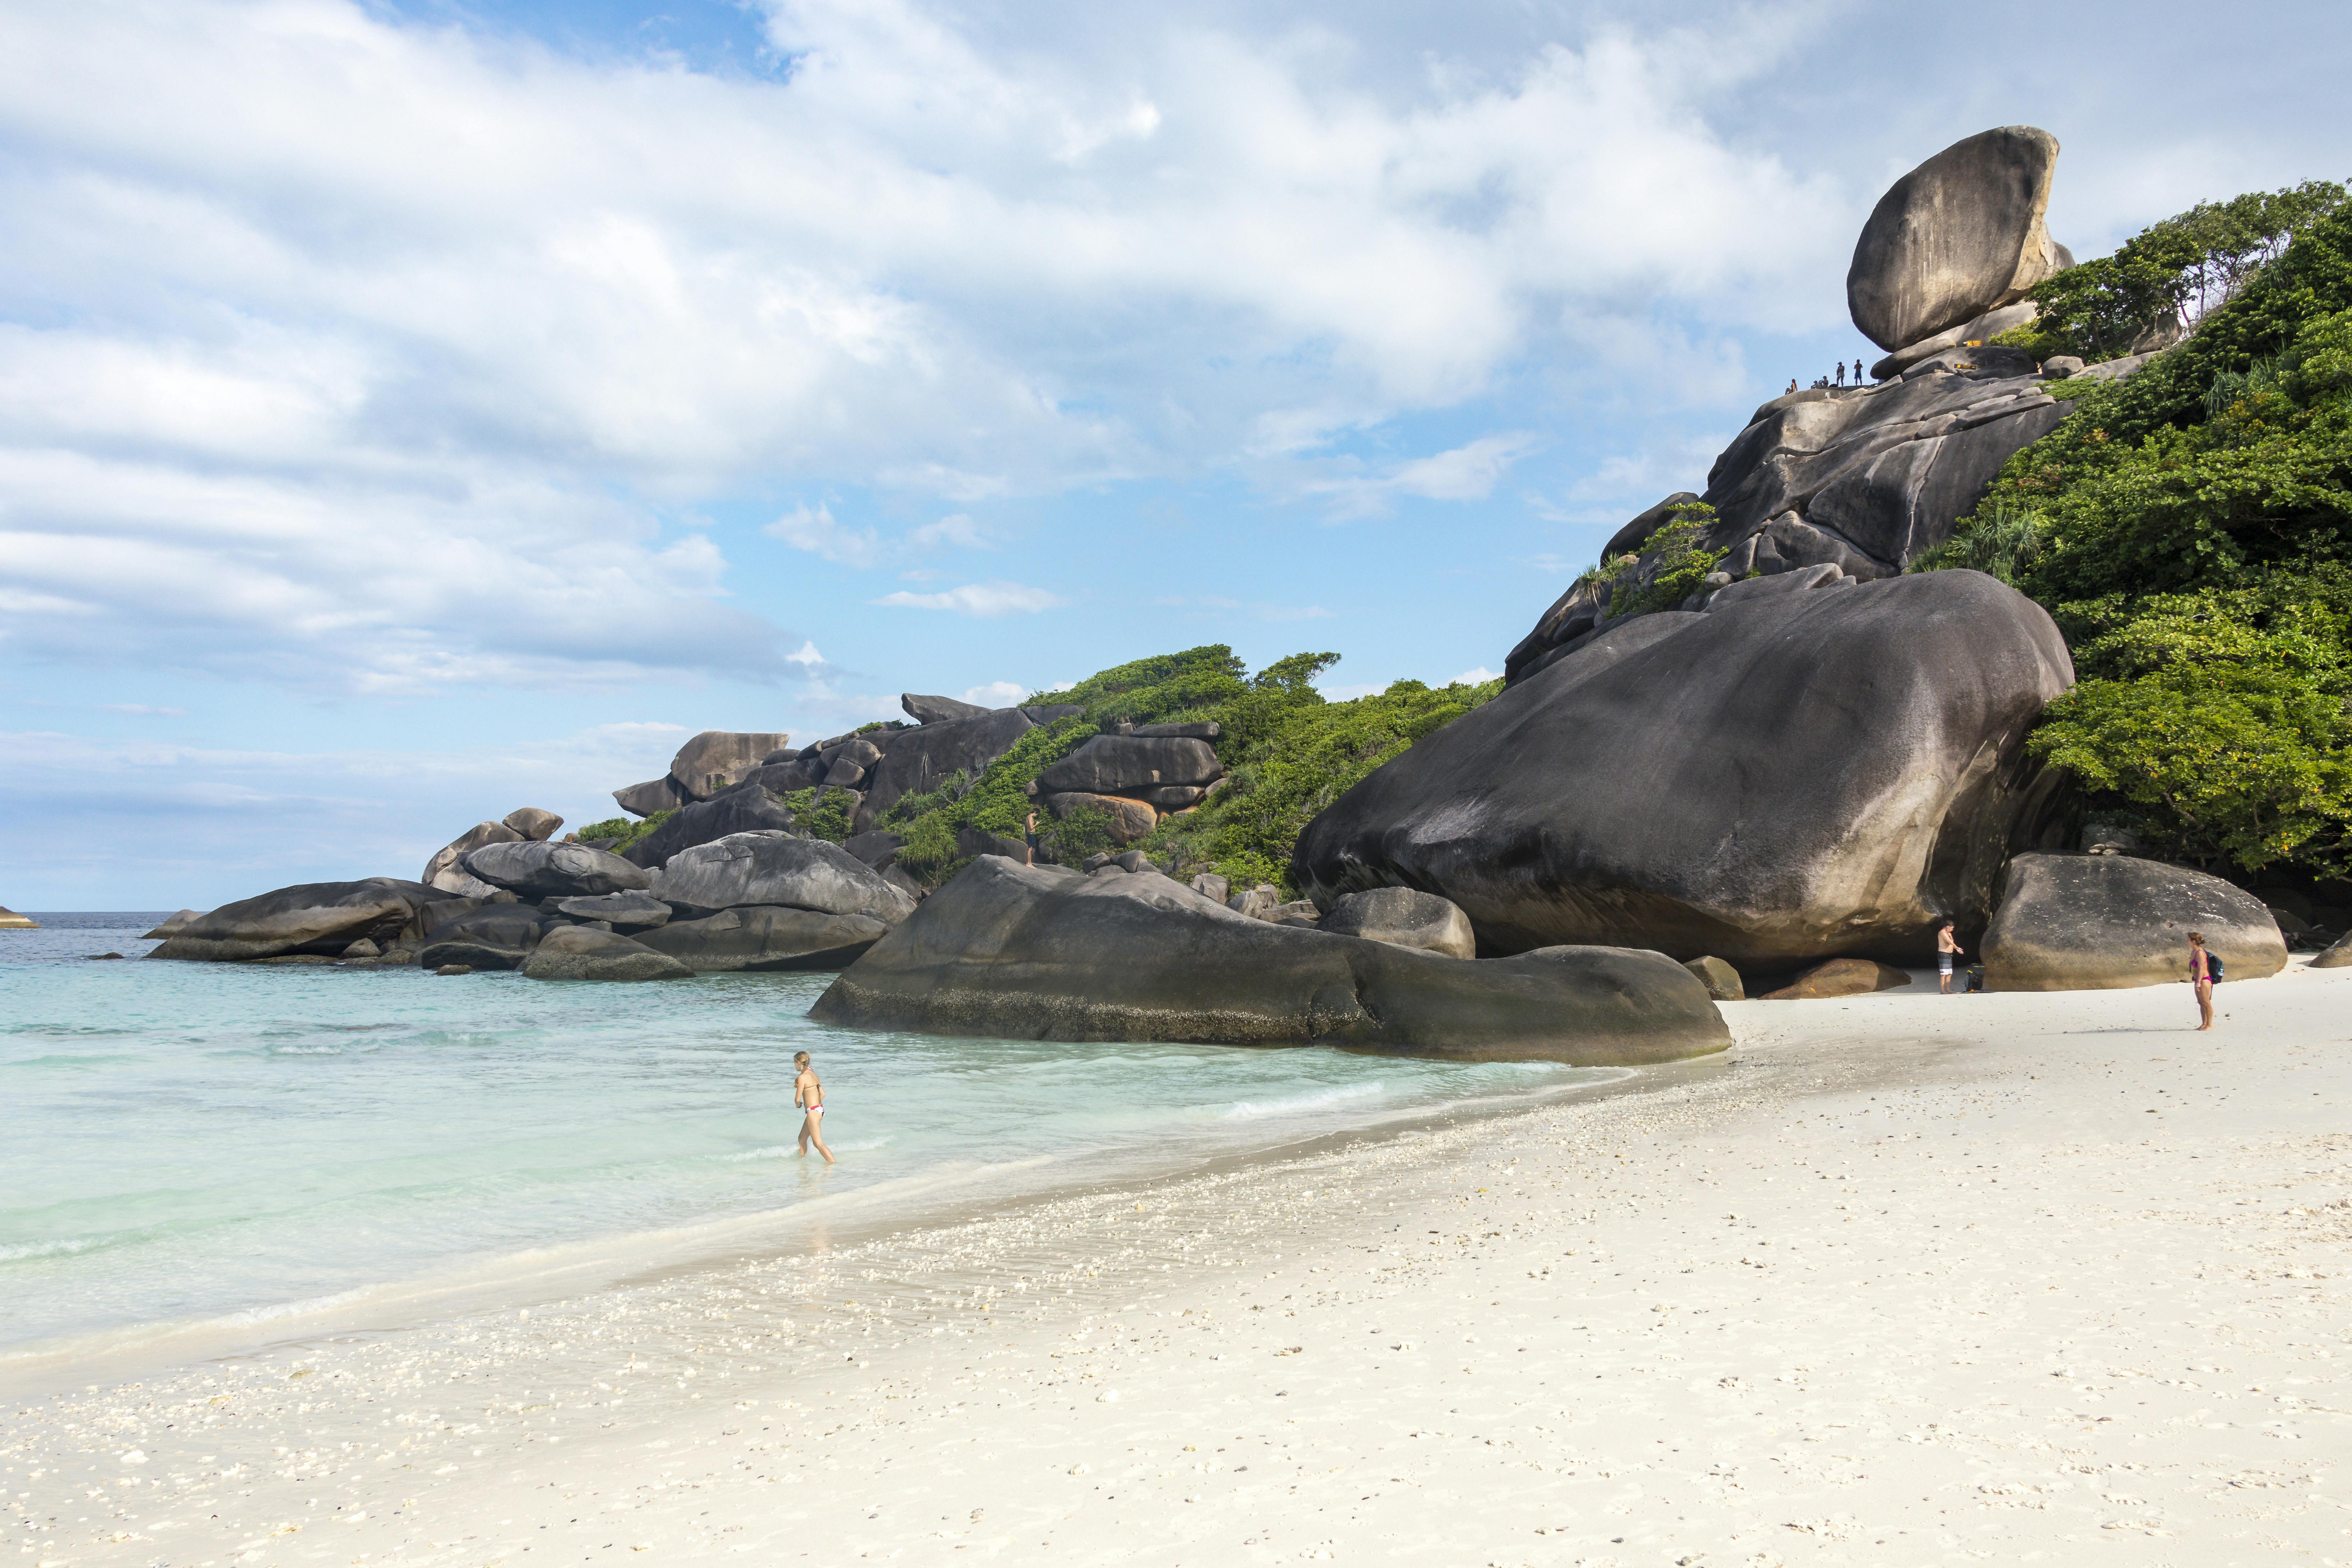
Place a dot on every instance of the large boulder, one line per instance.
(555, 870)
(2336, 956)
(1406, 917)
(750, 869)
(1840, 977)
(1111, 764)
(532, 822)
(580, 953)
(1043, 953)
(627, 912)
(653, 796)
(918, 761)
(939, 710)
(446, 870)
(1856, 485)
(479, 936)
(766, 937)
(1956, 237)
(172, 925)
(322, 918)
(1786, 779)
(2102, 922)
(1129, 819)
(717, 757)
(743, 810)
(876, 849)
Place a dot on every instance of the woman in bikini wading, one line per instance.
(809, 1095)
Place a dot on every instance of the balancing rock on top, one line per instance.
(541, 871)
(532, 822)
(937, 710)
(1957, 236)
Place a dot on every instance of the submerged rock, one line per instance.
(1790, 779)
(310, 918)
(2099, 922)
(579, 952)
(1043, 953)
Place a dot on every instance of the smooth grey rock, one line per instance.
(1818, 774)
(1041, 953)
(653, 796)
(763, 938)
(578, 952)
(750, 869)
(918, 761)
(2099, 922)
(971, 841)
(310, 918)
(446, 870)
(1722, 981)
(1405, 917)
(2334, 957)
(2061, 367)
(1129, 819)
(625, 912)
(843, 773)
(1298, 912)
(555, 870)
(897, 875)
(937, 710)
(2115, 369)
(1959, 235)
(1212, 886)
(1136, 861)
(1171, 797)
(532, 822)
(876, 849)
(491, 936)
(1202, 729)
(776, 778)
(1257, 902)
(717, 757)
(1112, 765)
(748, 810)
(1044, 713)
(174, 925)
(364, 948)
(1757, 590)
(1982, 329)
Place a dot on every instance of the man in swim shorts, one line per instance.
(1948, 947)
(809, 1095)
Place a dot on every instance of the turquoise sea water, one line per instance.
(194, 1142)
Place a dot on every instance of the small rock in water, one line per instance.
(96, 957)
(454, 969)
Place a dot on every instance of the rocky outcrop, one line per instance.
(711, 762)
(1791, 777)
(2099, 922)
(532, 822)
(939, 710)
(2338, 955)
(554, 870)
(753, 868)
(1133, 776)
(580, 953)
(764, 938)
(312, 918)
(747, 809)
(1404, 917)
(1127, 820)
(172, 925)
(1043, 953)
(1957, 236)
(446, 871)
(11, 920)
(479, 936)
(1722, 981)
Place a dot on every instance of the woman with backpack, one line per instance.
(2204, 970)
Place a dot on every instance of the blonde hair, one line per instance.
(2197, 937)
(799, 1056)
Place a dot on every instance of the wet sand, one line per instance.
(1905, 1278)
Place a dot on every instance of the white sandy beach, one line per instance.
(1903, 1280)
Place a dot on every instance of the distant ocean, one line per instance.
(199, 1143)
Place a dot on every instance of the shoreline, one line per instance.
(1759, 1315)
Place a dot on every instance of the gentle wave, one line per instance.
(18, 1252)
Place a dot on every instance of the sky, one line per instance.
(412, 410)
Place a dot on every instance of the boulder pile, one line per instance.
(527, 826)
(713, 761)
(1134, 776)
(1043, 953)
(1860, 483)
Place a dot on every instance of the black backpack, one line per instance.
(2213, 966)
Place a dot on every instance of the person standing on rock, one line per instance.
(1839, 382)
(2200, 975)
(1029, 837)
(809, 1095)
(1857, 373)
(1948, 948)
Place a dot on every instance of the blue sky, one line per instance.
(412, 411)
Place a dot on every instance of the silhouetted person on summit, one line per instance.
(1841, 374)
(1857, 373)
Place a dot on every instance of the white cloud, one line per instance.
(808, 658)
(1479, 677)
(344, 349)
(996, 694)
(1468, 472)
(977, 599)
